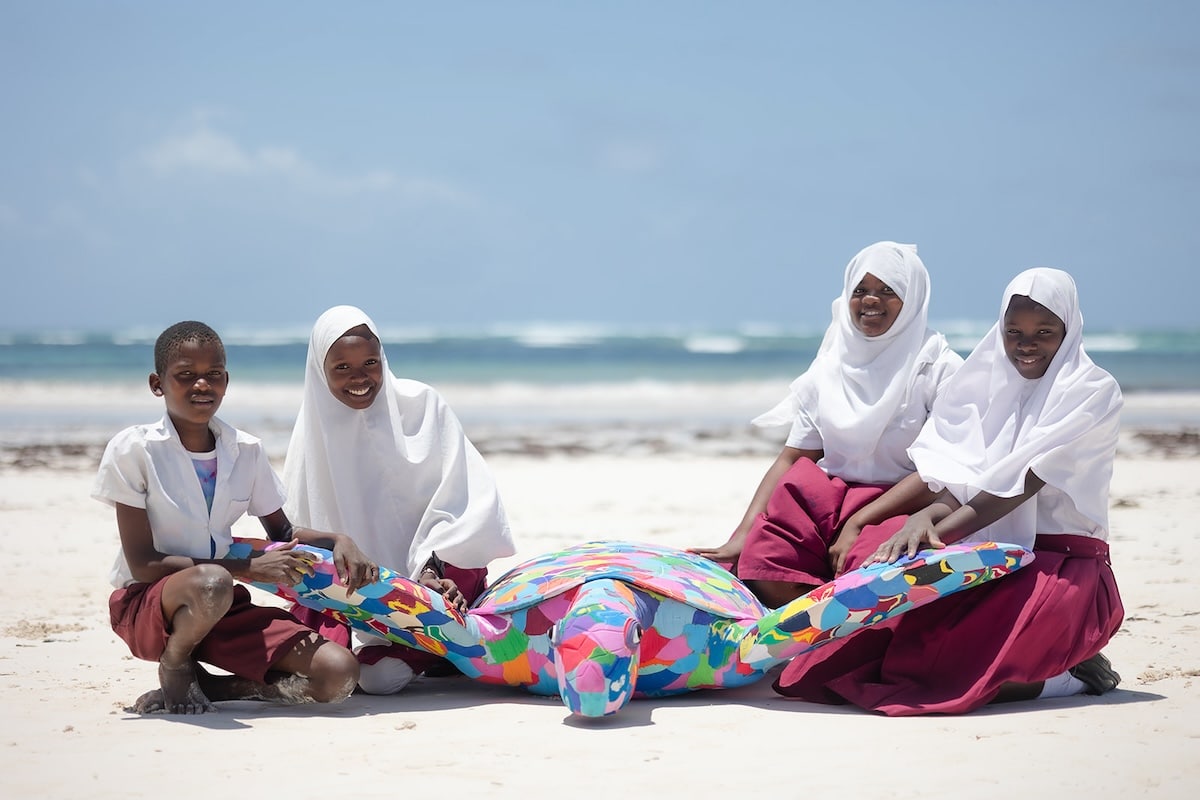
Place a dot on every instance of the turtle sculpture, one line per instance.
(602, 622)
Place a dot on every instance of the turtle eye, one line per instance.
(553, 635)
(633, 634)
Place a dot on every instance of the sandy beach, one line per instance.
(65, 679)
(610, 235)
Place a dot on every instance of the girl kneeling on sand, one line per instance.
(853, 414)
(386, 457)
(1020, 449)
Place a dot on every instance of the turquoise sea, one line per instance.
(563, 387)
(1141, 361)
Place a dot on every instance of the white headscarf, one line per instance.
(990, 426)
(399, 477)
(856, 383)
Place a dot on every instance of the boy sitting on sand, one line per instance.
(178, 485)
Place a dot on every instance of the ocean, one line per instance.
(531, 388)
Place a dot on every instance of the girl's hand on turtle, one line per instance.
(726, 553)
(446, 588)
(917, 531)
(453, 596)
(353, 567)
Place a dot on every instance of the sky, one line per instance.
(642, 164)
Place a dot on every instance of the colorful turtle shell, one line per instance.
(602, 622)
(676, 574)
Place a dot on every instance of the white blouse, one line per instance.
(887, 461)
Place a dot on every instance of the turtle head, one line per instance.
(596, 647)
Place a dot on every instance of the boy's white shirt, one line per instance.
(147, 466)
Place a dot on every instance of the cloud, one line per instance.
(205, 151)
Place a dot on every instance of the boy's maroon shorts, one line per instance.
(246, 641)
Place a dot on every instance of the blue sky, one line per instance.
(692, 164)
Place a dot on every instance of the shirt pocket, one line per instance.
(236, 510)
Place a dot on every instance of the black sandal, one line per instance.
(1097, 674)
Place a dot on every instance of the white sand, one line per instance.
(65, 678)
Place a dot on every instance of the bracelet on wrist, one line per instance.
(434, 565)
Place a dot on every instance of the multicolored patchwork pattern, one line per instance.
(870, 595)
(677, 574)
(602, 622)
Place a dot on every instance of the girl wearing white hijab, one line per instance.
(853, 415)
(386, 458)
(1020, 449)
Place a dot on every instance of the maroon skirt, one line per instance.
(954, 655)
(790, 542)
(471, 582)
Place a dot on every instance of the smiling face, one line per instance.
(1032, 335)
(354, 368)
(192, 383)
(874, 306)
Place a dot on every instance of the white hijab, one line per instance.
(856, 383)
(990, 426)
(400, 477)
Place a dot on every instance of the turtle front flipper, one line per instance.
(394, 607)
(596, 647)
(869, 595)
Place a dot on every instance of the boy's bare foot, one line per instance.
(228, 687)
(149, 703)
(180, 693)
(181, 690)
(280, 688)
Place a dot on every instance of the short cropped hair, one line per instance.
(169, 341)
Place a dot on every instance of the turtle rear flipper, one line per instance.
(869, 595)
